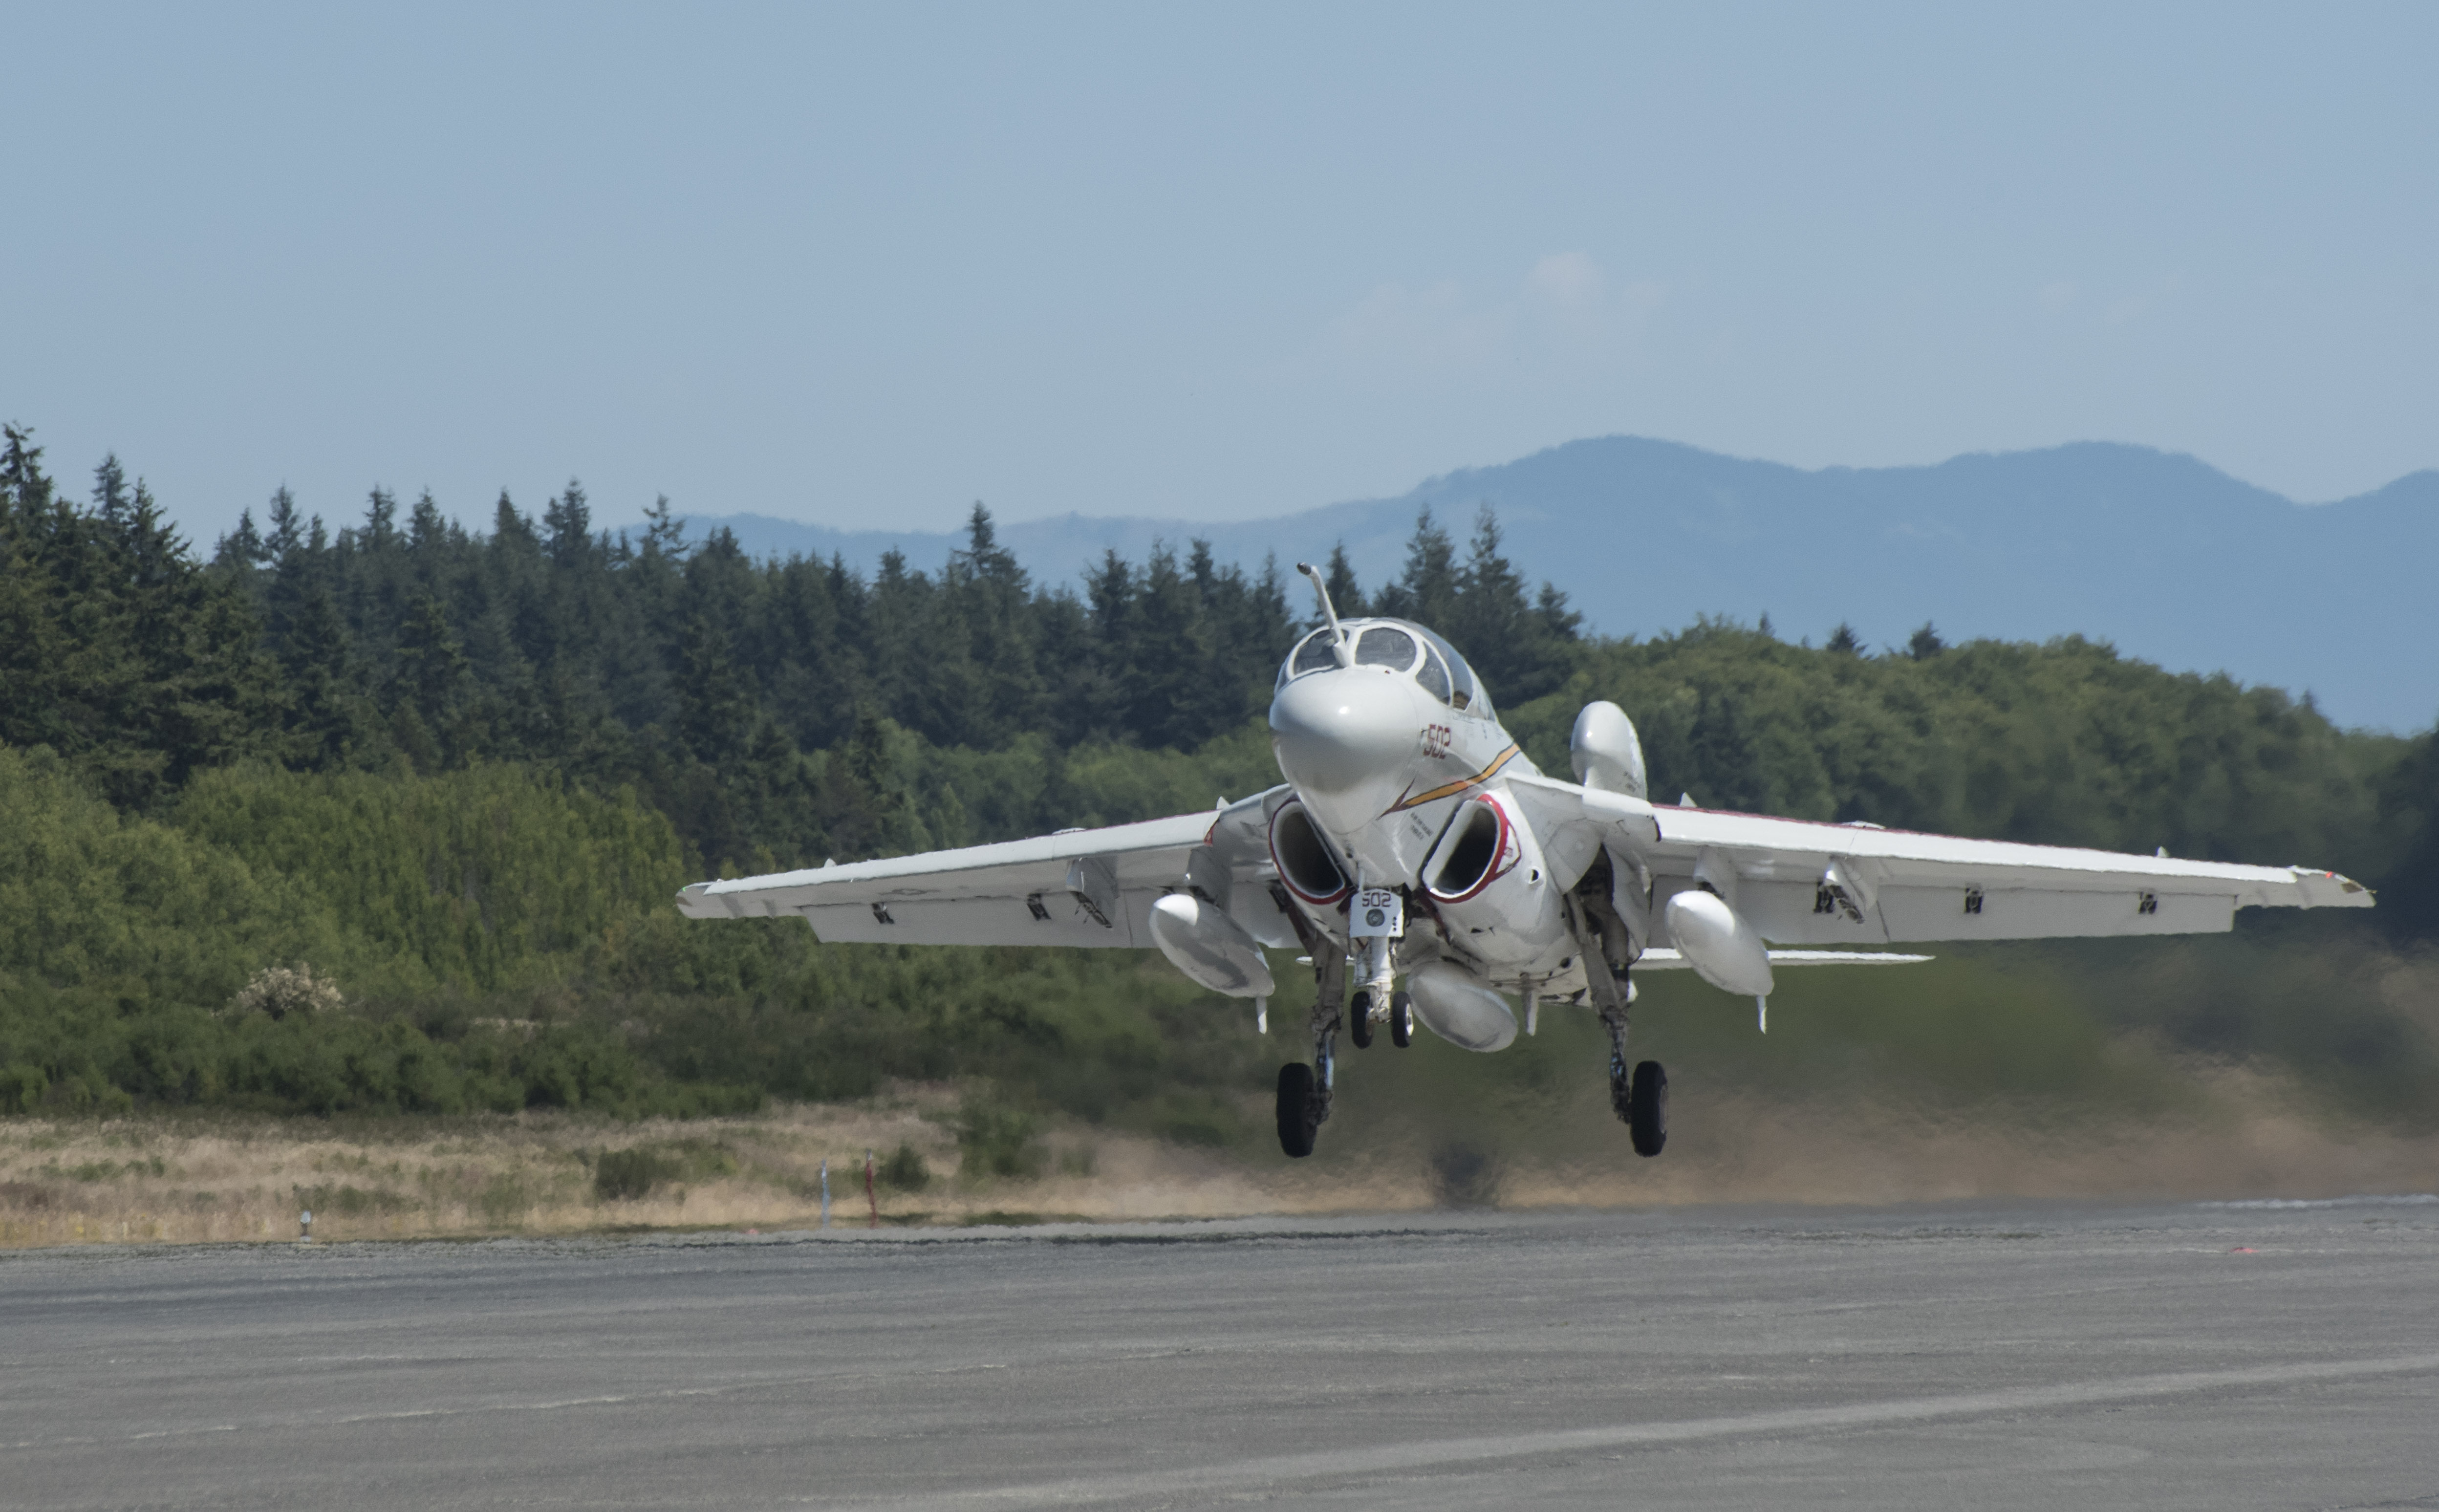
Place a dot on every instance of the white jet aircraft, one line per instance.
(1414, 844)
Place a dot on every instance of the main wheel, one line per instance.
(1401, 1020)
(1296, 1126)
(1359, 1021)
(1647, 1117)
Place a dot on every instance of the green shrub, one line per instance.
(905, 1170)
(994, 1140)
(624, 1175)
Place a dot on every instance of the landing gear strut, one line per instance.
(1638, 1094)
(1303, 1089)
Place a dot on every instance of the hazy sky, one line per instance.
(873, 263)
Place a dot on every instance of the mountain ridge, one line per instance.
(2159, 553)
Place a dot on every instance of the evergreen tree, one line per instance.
(116, 649)
(287, 535)
(716, 708)
(328, 716)
(1339, 578)
(381, 516)
(110, 496)
(432, 668)
(1427, 590)
(568, 520)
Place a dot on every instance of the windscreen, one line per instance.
(1462, 691)
(1384, 647)
(1314, 654)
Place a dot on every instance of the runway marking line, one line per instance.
(1384, 1459)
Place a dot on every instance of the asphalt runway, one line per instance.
(1989, 1356)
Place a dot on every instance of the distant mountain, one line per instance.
(2170, 559)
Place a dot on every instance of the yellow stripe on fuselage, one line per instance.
(1416, 800)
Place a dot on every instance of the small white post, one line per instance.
(825, 1191)
(305, 1226)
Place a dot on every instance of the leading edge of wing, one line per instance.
(2297, 886)
(1180, 831)
(1661, 958)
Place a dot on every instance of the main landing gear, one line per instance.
(1639, 1095)
(1301, 1109)
(1303, 1089)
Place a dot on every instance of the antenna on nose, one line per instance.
(1329, 611)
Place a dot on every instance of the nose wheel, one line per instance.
(1359, 1021)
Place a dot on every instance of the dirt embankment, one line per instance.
(227, 1179)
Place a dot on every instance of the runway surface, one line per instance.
(2036, 1357)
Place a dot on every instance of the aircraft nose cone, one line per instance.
(1343, 737)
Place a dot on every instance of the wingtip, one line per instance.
(2329, 889)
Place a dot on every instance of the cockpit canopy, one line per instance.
(1400, 646)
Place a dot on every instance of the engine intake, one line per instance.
(1303, 858)
(1479, 848)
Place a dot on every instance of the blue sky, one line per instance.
(848, 265)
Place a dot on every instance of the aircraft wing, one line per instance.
(1807, 883)
(1074, 887)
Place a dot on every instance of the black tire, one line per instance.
(1401, 1020)
(1647, 1119)
(1359, 1021)
(1296, 1127)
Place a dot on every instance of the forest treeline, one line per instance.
(461, 773)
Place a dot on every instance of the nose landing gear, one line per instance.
(1362, 1015)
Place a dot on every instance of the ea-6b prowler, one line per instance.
(1417, 849)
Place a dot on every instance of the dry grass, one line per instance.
(183, 1180)
(2244, 1141)
(226, 1179)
